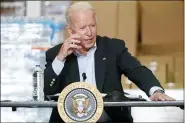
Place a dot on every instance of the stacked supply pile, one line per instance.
(23, 45)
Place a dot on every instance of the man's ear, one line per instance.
(69, 30)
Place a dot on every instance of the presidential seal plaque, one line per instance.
(80, 102)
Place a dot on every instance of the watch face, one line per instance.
(80, 102)
(162, 91)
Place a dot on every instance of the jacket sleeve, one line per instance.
(52, 81)
(137, 73)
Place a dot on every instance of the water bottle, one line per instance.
(38, 84)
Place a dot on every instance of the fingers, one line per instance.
(152, 98)
(164, 97)
(73, 41)
(76, 36)
(69, 45)
(167, 98)
(74, 46)
(156, 98)
(161, 97)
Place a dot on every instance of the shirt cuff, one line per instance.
(153, 89)
(57, 65)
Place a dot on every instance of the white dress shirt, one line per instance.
(86, 65)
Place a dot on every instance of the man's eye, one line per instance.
(82, 27)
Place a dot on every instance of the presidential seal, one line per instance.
(80, 102)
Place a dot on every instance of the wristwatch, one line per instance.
(159, 90)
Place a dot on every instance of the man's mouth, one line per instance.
(89, 40)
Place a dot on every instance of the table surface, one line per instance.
(42, 104)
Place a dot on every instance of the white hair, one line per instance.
(78, 6)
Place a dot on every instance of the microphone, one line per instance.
(84, 76)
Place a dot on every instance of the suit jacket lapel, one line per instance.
(73, 70)
(100, 63)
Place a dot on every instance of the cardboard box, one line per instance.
(133, 86)
(160, 74)
(106, 17)
(179, 69)
(161, 60)
(126, 84)
(162, 22)
(165, 86)
(128, 24)
(161, 49)
(173, 86)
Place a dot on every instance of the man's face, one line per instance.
(84, 24)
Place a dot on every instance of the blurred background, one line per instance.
(153, 32)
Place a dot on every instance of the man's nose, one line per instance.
(88, 31)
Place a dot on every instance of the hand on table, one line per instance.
(160, 96)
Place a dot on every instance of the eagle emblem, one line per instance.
(80, 105)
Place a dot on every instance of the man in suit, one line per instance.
(103, 60)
